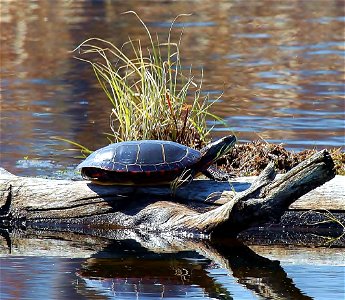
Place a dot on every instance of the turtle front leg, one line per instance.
(217, 174)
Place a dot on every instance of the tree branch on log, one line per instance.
(65, 203)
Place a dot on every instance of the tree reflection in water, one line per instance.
(151, 266)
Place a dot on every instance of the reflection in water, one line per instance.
(278, 63)
(144, 266)
(140, 271)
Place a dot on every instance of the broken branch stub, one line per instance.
(274, 197)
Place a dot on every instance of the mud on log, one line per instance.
(45, 203)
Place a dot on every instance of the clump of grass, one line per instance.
(152, 94)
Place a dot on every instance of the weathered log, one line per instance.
(64, 203)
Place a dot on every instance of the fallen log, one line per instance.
(48, 203)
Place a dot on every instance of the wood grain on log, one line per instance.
(80, 203)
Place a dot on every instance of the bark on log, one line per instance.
(49, 203)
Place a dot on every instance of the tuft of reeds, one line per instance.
(152, 94)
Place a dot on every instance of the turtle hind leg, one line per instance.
(217, 174)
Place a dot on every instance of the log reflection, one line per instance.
(127, 263)
(153, 264)
(131, 263)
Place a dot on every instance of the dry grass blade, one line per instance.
(84, 151)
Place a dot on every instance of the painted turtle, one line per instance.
(153, 162)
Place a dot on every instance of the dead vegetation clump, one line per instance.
(249, 159)
(338, 157)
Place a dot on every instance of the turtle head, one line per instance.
(217, 149)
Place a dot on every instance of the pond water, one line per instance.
(133, 266)
(279, 66)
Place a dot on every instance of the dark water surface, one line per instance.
(280, 67)
(134, 266)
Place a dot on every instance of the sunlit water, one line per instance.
(279, 66)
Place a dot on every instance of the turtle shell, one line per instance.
(139, 162)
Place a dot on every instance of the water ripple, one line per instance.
(253, 35)
(275, 86)
(181, 24)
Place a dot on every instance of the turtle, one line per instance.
(153, 162)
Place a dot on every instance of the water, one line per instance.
(67, 266)
(279, 66)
